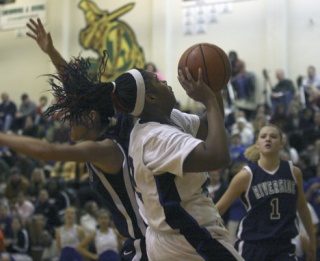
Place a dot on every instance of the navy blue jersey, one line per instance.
(271, 202)
(119, 196)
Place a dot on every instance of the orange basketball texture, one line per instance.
(212, 60)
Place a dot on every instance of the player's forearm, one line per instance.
(216, 141)
(307, 222)
(28, 146)
(57, 59)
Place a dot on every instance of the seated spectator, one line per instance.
(23, 208)
(5, 220)
(236, 148)
(48, 210)
(89, 220)
(37, 182)
(17, 243)
(16, 183)
(105, 238)
(259, 121)
(31, 129)
(41, 242)
(280, 118)
(293, 126)
(283, 92)
(8, 111)
(68, 237)
(292, 152)
(313, 133)
(242, 82)
(245, 130)
(40, 110)
(26, 108)
(310, 83)
(60, 196)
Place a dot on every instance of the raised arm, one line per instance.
(104, 154)
(213, 153)
(44, 40)
(203, 128)
(305, 216)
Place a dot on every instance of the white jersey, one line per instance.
(170, 199)
(69, 238)
(106, 241)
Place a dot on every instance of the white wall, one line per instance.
(267, 34)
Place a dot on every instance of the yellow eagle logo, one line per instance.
(104, 31)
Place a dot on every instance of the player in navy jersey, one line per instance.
(271, 190)
(102, 146)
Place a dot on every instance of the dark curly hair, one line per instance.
(77, 93)
(74, 89)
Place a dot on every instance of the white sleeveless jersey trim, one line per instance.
(116, 200)
(130, 190)
(240, 228)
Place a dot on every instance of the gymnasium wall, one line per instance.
(267, 34)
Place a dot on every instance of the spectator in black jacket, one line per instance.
(45, 207)
(17, 244)
(8, 110)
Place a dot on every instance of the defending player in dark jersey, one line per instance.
(102, 146)
(271, 190)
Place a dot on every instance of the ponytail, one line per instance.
(252, 153)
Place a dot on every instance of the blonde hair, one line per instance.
(252, 153)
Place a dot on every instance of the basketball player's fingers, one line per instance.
(34, 30)
(32, 36)
(183, 81)
(41, 28)
(32, 23)
(189, 76)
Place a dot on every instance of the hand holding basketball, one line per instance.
(212, 60)
(198, 90)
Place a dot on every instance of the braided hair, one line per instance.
(77, 93)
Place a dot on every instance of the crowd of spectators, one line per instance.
(35, 195)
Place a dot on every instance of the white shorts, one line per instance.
(163, 246)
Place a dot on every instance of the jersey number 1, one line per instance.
(275, 209)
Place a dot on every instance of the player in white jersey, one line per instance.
(169, 154)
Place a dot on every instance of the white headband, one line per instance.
(114, 87)
(141, 92)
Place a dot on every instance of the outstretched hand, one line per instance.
(40, 35)
(197, 90)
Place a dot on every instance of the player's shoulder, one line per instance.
(244, 175)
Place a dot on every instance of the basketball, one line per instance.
(212, 60)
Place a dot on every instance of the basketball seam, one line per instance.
(205, 64)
